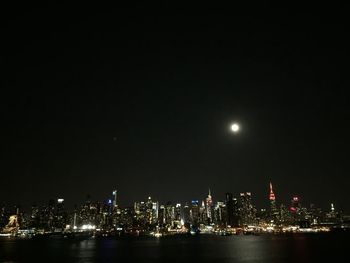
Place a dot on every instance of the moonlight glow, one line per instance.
(235, 127)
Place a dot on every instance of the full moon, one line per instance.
(235, 127)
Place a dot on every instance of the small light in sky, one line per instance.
(235, 127)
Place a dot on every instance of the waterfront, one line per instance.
(201, 248)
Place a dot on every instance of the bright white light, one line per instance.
(88, 227)
(235, 127)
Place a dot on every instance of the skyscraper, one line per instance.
(187, 214)
(194, 212)
(273, 208)
(209, 207)
(232, 210)
(229, 208)
(220, 213)
(272, 195)
(61, 216)
(115, 198)
(295, 205)
(247, 210)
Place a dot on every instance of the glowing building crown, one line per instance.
(272, 195)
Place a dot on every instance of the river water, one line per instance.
(202, 248)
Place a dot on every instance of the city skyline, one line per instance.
(150, 217)
(115, 200)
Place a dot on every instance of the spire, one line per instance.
(209, 194)
(272, 195)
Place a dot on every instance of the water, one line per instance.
(202, 248)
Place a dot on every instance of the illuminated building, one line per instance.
(61, 215)
(169, 214)
(161, 215)
(194, 212)
(126, 218)
(50, 214)
(155, 207)
(203, 219)
(233, 210)
(272, 197)
(13, 224)
(273, 208)
(296, 210)
(247, 210)
(115, 204)
(285, 215)
(295, 204)
(209, 208)
(34, 220)
(177, 216)
(187, 214)
(146, 213)
(220, 213)
(229, 209)
(332, 217)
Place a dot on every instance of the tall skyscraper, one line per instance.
(247, 210)
(177, 215)
(295, 205)
(161, 215)
(61, 216)
(155, 211)
(187, 214)
(115, 204)
(209, 207)
(236, 218)
(229, 208)
(194, 212)
(169, 214)
(232, 210)
(272, 195)
(273, 208)
(220, 213)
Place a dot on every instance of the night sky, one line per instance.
(141, 100)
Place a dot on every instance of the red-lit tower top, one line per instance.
(272, 195)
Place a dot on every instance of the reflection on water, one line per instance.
(265, 248)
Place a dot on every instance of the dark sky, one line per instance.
(141, 100)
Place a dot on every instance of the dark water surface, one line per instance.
(202, 248)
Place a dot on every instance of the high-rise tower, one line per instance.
(209, 207)
(273, 209)
(229, 208)
(272, 195)
(115, 198)
(247, 210)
